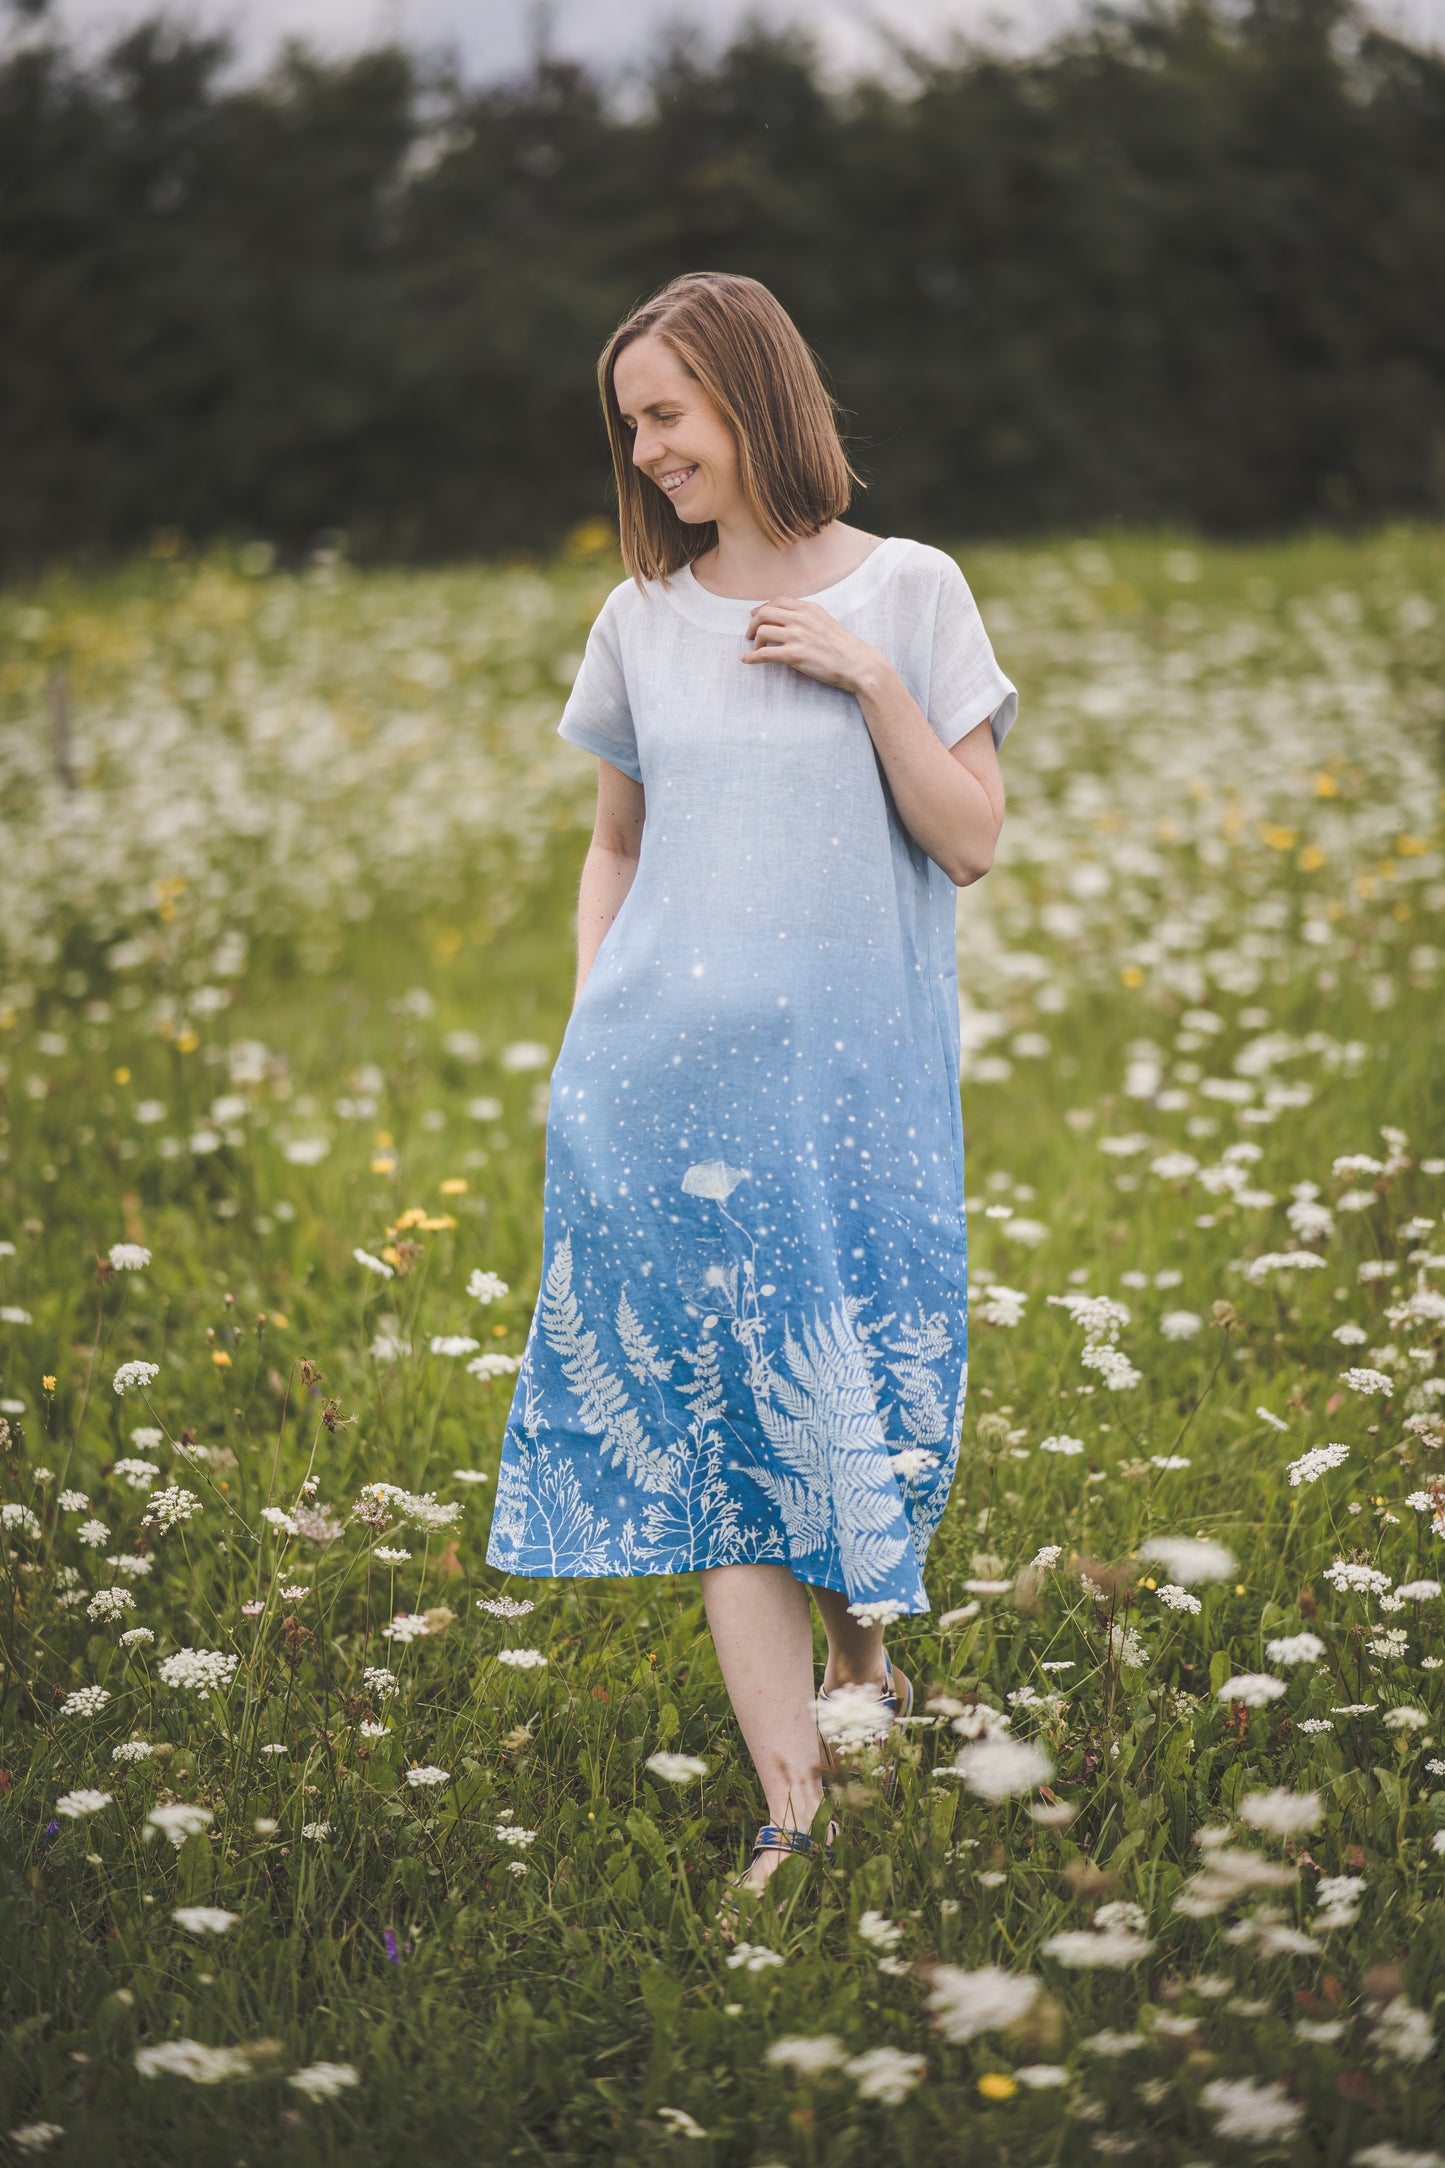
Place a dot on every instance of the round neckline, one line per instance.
(730, 613)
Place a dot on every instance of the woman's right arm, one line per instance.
(610, 863)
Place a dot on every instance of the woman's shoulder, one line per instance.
(925, 558)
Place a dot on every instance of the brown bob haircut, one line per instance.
(748, 355)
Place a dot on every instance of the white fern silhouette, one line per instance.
(604, 1409)
(643, 1359)
(920, 1406)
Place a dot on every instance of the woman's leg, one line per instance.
(855, 1652)
(762, 1627)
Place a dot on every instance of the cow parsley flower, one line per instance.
(486, 1287)
(128, 1257)
(1302, 1648)
(169, 1507)
(205, 1919)
(378, 1265)
(1090, 1949)
(1256, 2113)
(135, 1375)
(110, 1603)
(73, 1805)
(1312, 1465)
(324, 2081)
(139, 1474)
(1254, 1688)
(1346, 1574)
(521, 1659)
(198, 1671)
(1367, 1381)
(132, 1750)
(493, 1366)
(427, 1777)
(998, 1769)
(1189, 1559)
(675, 1768)
(179, 1820)
(965, 2004)
(1178, 1599)
(192, 2059)
(1282, 1813)
(85, 1701)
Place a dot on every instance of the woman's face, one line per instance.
(679, 439)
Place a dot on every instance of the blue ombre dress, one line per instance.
(751, 1337)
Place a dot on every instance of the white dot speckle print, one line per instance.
(751, 1337)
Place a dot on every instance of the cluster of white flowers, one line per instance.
(424, 1778)
(192, 2059)
(506, 1606)
(135, 1375)
(1301, 1648)
(1256, 1689)
(1345, 1574)
(406, 1627)
(19, 1518)
(454, 1343)
(381, 1681)
(512, 1833)
(965, 2004)
(377, 1265)
(1312, 1465)
(73, 1805)
(1189, 1559)
(1281, 1813)
(178, 1820)
(169, 1507)
(1000, 1305)
(110, 1603)
(521, 1659)
(139, 1474)
(199, 1671)
(128, 1257)
(1178, 1599)
(132, 1750)
(85, 1701)
(675, 1768)
(1367, 1381)
(494, 1366)
(486, 1287)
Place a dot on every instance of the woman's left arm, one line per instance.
(951, 801)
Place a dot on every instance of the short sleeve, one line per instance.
(965, 683)
(598, 716)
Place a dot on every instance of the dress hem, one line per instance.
(655, 1573)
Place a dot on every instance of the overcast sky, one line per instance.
(495, 37)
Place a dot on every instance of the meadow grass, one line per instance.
(290, 867)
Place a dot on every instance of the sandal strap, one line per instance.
(771, 1837)
(888, 1693)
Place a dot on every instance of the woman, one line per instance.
(749, 1354)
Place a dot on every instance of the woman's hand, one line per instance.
(802, 634)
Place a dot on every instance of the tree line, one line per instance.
(1184, 265)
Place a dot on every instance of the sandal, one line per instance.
(771, 1837)
(900, 1706)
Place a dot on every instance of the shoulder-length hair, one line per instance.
(748, 355)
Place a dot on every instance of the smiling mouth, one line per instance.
(675, 479)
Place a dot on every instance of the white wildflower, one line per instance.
(128, 1256)
(198, 1671)
(204, 1919)
(675, 1768)
(1312, 1465)
(1254, 1688)
(179, 1820)
(135, 1374)
(1188, 1559)
(486, 1287)
(1255, 2113)
(1301, 1648)
(73, 1805)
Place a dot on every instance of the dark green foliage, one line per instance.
(1184, 265)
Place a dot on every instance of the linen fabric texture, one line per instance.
(751, 1338)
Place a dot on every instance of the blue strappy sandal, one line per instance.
(900, 1706)
(771, 1837)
